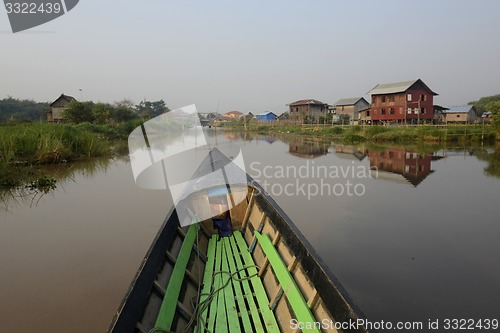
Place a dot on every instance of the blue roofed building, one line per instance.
(465, 114)
(266, 116)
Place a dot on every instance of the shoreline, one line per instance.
(431, 134)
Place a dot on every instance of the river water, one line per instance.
(412, 233)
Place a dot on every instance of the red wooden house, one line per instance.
(402, 102)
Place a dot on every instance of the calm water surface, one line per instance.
(420, 242)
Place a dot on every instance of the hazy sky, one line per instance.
(253, 55)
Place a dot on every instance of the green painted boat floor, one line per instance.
(233, 298)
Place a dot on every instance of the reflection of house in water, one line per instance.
(269, 139)
(233, 135)
(307, 149)
(349, 152)
(400, 165)
(444, 153)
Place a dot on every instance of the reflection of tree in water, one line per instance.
(493, 169)
(493, 159)
(41, 180)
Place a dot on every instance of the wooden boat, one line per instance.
(265, 277)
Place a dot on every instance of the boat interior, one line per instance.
(260, 276)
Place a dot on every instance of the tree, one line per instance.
(147, 109)
(211, 116)
(494, 108)
(78, 112)
(102, 113)
(159, 107)
(481, 104)
(128, 103)
(13, 109)
(285, 116)
(122, 114)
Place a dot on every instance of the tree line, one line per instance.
(485, 104)
(23, 110)
(104, 113)
(489, 104)
(17, 110)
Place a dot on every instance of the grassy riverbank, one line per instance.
(23, 146)
(395, 134)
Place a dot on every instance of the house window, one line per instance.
(391, 111)
(383, 99)
(367, 113)
(407, 168)
(415, 111)
(422, 98)
(391, 98)
(408, 97)
(400, 110)
(409, 111)
(391, 154)
(458, 116)
(383, 111)
(422, 110)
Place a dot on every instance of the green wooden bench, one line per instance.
(169, 305)
(290, 289)
(235, 307)
(233, 298)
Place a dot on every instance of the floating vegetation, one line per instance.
(43, 184)
(26, 185)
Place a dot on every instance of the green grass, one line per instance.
(26, 145)
(48, 143)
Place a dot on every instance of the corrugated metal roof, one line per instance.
(459, 109)
(265, 113)
(307, 101)
(391, 88)
(348, 101)
(396, 87)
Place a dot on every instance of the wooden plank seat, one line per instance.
(168, 308)
(233, 298)
(288, 286)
